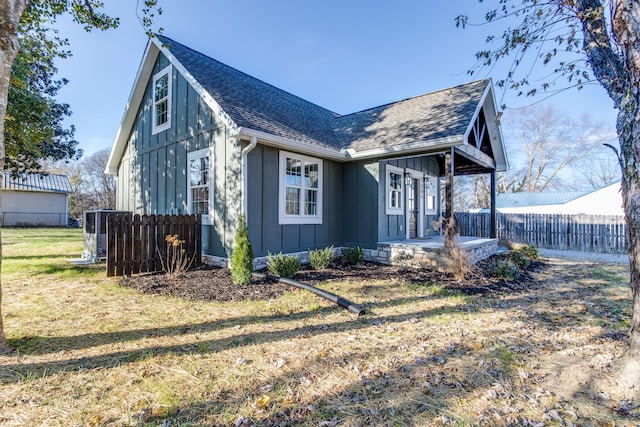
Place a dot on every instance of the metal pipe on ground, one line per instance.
(336, 299)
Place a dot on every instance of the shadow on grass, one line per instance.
(113, 359)
(48, 269)
(44, 345)
(35, 257)
(38, 345)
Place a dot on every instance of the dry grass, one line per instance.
(92, 353)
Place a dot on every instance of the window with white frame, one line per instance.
(300, 190)
(200, 181)
(162, 100)
(394, 190)
(430, 194)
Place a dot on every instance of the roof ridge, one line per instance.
(160, 37)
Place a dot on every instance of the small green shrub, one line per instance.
(529, 251)
(321, 258)
(402, 258)
(520, 258)
(242, 256)
(283, 265)
(353, 255)
(503, 268)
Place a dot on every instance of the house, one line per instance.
(198, 136)
(603, 201)
(35, 200)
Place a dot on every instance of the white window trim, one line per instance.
(206, 219)
(389, 210)
(433, 211)
(159, 128)
(283, 218)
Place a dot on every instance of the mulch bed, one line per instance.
(214, 284)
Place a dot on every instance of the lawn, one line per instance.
(89, 352)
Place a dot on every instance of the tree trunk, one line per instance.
(616, 65)
(629, 134)
(10, 13)
(626, 30)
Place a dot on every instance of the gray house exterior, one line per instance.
(199, 136)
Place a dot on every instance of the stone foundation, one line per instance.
(430, 254)
(260, 262)
(414, 252)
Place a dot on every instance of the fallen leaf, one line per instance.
(262, 402)
(305, 382)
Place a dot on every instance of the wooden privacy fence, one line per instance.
(587, 233)
(136, 243)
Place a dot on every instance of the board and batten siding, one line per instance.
(361, 203)
(265, 233)
(392, 227)
(152, 176)
(366, 221)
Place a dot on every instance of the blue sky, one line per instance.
(343, 55)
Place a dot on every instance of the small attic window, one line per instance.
(162, 100)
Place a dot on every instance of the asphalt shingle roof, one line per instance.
(444, 113)
(257, 105)
(50, 183)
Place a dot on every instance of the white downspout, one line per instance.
(245, 174)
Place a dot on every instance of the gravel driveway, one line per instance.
(585, 256)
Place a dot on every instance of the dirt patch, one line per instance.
(208, 283)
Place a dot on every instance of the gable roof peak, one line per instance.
(166, 42)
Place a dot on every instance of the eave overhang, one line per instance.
(418, 147)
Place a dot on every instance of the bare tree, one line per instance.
(598, 169)
(98, 190)
(477, 185)
(549, 143)
(91, 187)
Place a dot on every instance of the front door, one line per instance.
(412, 206)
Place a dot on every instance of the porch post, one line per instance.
(450, 230)
(493, 230)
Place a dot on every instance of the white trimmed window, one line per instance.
(200, 182)
(393, 190)
(430, 194)
(162, 100)
(300, 189)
